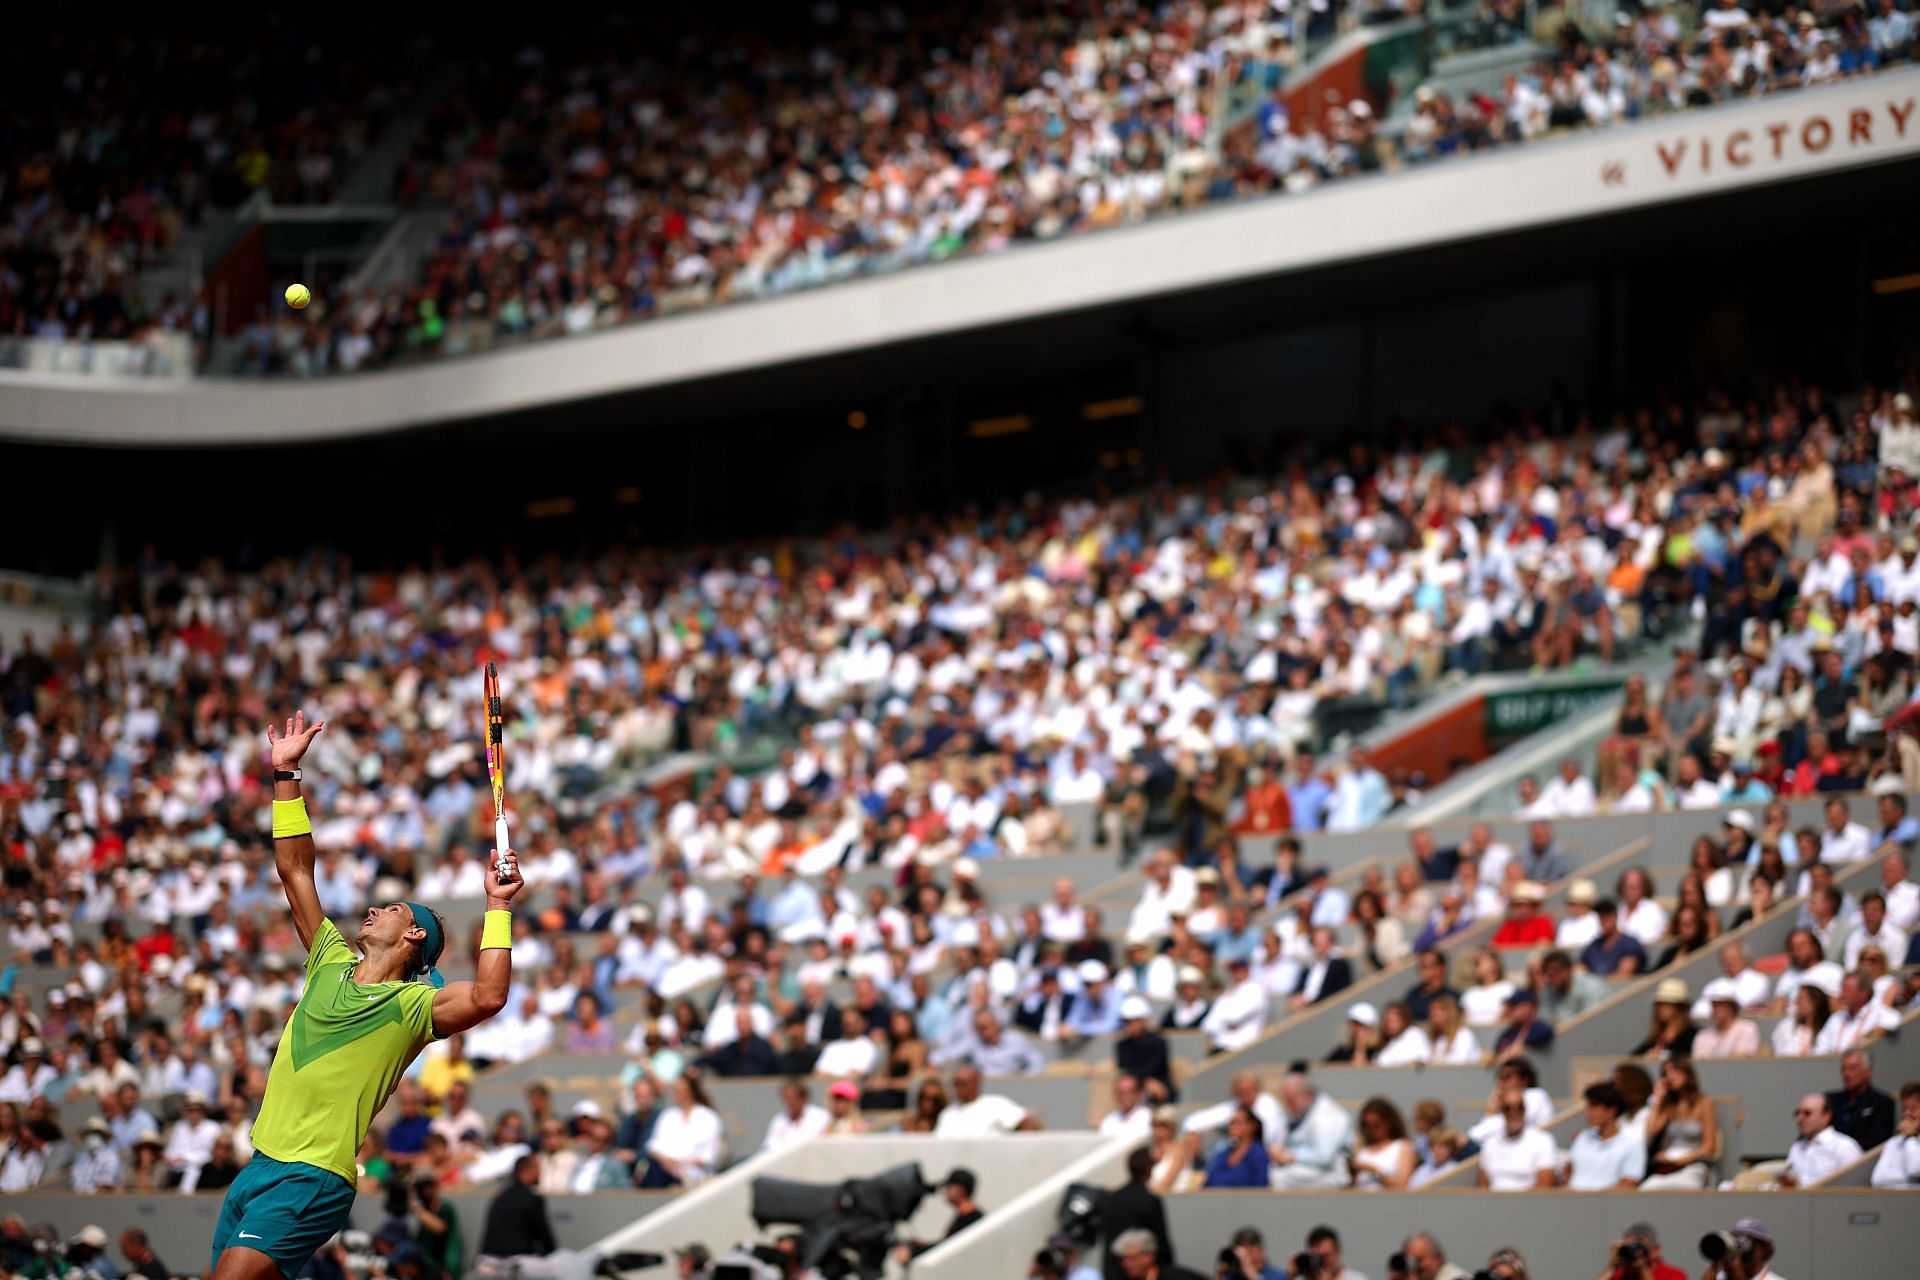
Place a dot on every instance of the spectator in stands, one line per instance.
(1403, 1042)
(1363, 1040)
(1318, 1132)
(973, 1114)
(1130, 1114)
(1641, 915)
(929, 1104)
(1857, 1109)
(1442, 1157)
(1523, 1029)
(1543, 861)
(1518, 1155)
(1132, 1208)
(1451, 1042)
(1383, 1159)
(1605, 1155)
(1142, 1053)
(1564, 991)
(1236, 1018)
(1729, 1035)
(97, 1167)
(746, 1053)
(1750, 987)
(1670, 1030)
(190, 1141)
(1682, 1131)
(688, 1138)
(1432, 967)
(1485, 1002)
(1857, 1018)
(1327, 975)
(1821, 1150)
(1898, 1168)
(799, 1119)
(1689, 934)
(1525, 926)
(1873, 929)
(1795, 1035)
(1190, 1003)
(1242, 1160)
(1580, 925)
(1806, 963)
(1613, 953)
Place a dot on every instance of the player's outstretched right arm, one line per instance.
(292, 829)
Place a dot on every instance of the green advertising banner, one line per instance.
(1515, 713)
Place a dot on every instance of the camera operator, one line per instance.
(1322, 1259)
(1636, 1256)
(1744, 1254)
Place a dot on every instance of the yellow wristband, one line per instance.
(290, 819)
(496, 931)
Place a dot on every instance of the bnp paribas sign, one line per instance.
(1515, 713)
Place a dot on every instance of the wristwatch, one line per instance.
(286, 775)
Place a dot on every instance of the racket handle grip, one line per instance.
(500, 842)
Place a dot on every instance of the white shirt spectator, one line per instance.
(189, 1147)
(1575, 932)
(1890, 940)
(1156, 984)
(1410, 1048)
(1063, 924)
(1852, 843)
(986, 1115)
(847, 1057)
(1814, 1159)
(1563, 799)
(783, 1130)
(1237, 1017)
(1701, 794)
(1138, 1122)
(1899, 1165)
(1600, 1164)
(1539, 1104)
(693, 1138)
(1845, 1030)
(1514, 1163)
(1647, 922)
(1903, 909)
(1153, 914)
(1463, 1050)
(21, 1085)
(1825, 975)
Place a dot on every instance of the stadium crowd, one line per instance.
(650, 165)
(1144, 670)
(600, 187)
(117, 141)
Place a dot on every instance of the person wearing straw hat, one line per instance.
(367, 1011)
(1670, 1030)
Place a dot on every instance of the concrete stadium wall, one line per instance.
(1790, 136)
(1841, 1232)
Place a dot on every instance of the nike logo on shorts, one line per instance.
(244, 1236)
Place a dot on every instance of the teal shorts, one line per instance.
(285, 1211)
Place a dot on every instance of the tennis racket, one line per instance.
(496, 722)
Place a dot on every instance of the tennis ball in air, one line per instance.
(298, 296)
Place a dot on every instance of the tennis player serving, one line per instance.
(361, 1020)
